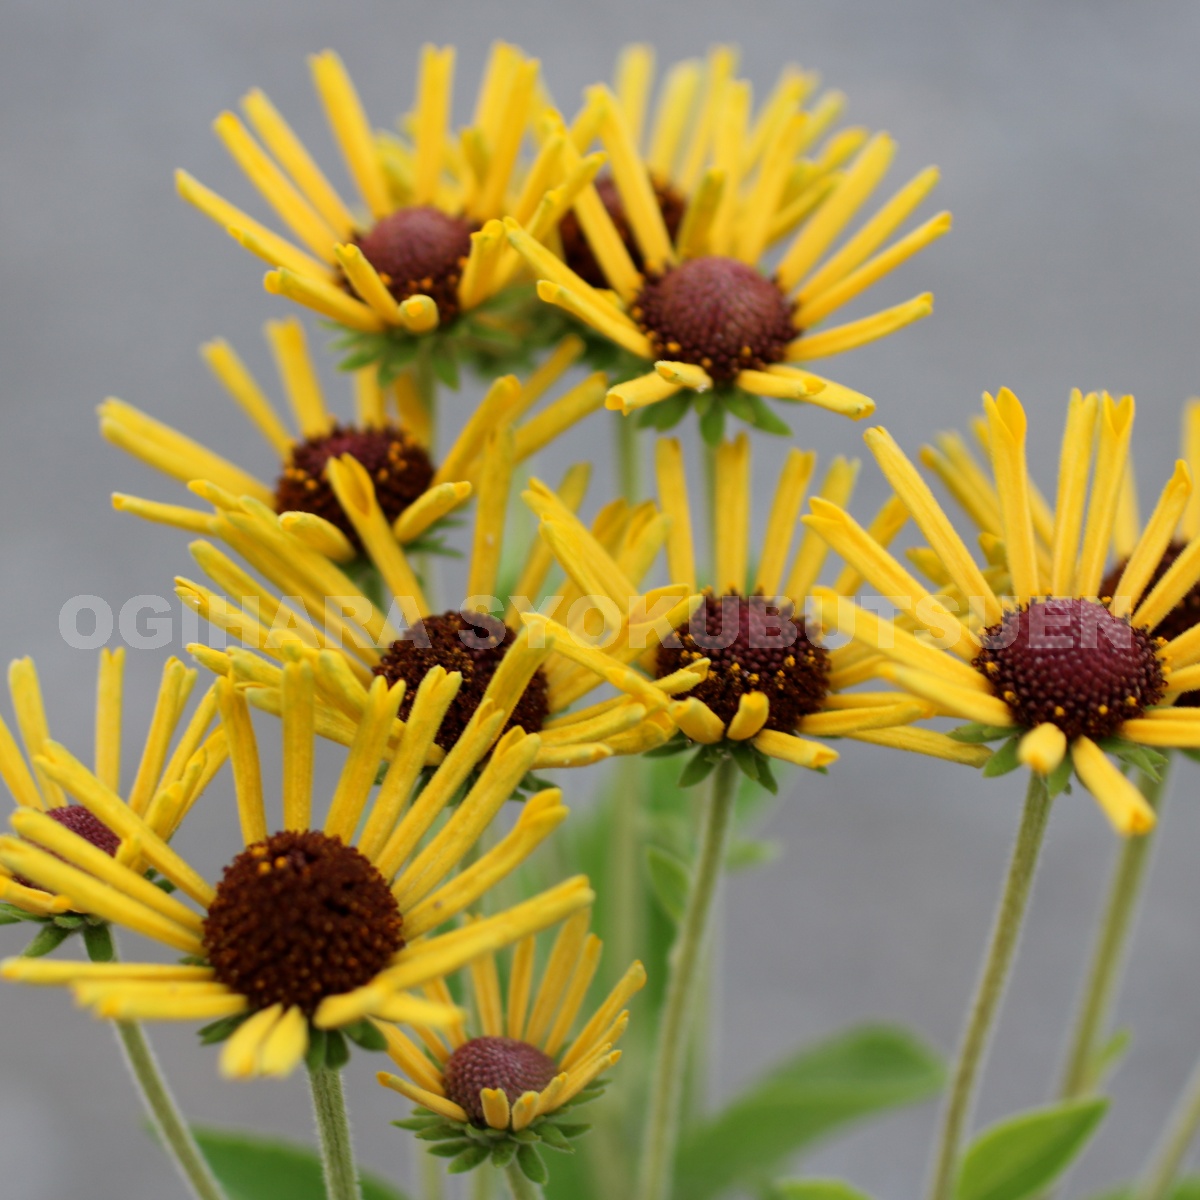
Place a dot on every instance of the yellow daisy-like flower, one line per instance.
(389, 438)
(311, 927)
(1070, 666)
(767, 685)
(698, 303)
(425, 249)
(311, 608)
(519, 1068)
(165, 786)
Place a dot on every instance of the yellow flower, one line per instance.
(1069, 666)
(517, 1066)
(313, 609)
(267, 947)
(428, 245)
(697, 300)
(389, 438)
(765, 684)
(164, 788)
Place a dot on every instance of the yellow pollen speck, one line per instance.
(1131, 701)
(264, 868)
(790, 661)
(993, 667)
(1010, 697)
(1103, 710)
(1059, 711)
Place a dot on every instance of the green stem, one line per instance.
(990, 989)
(1099, 993)
(333, 1127)
(482, 1183)
(521, 1187)
(432, 1184)
(629, 464)
(168, 1121)
(683, 982)
(1164, 1165)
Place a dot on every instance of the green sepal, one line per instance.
(503, 1153)
(1143, 758)
(337, 1051)
(568, 1131)
(46, 941)
(10, 914)
(975, 732)
(1004, 760)
(417, 1124)
(220, 1031)
(444, 363)
(666, 414)
(315, 1058)
(528, 1136)
(699, 767)
(469, 1159)
(712, 421)
(555, 1139)
(68, 921)
(532, 1165)
(366, 1036)
(765, 419)
(813, 1189)
(98, 942)
(754, 764)
(1059, 780)
(677, 745)
(443, 1132)
(452, 1149)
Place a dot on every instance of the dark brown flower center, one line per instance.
(1179, 620)
(300, 917)
(717, 313)
(1070, 662)
(420, 251)
(756, 644)
(577, 252)
(501, 1063)
(470, 642)
(398, 466)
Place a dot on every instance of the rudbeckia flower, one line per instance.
(389, 437)
(424, 252)
(769, 686)
(312, 929)
(715, 327)
(165, 786)
(1070, 667)
(511, 1080)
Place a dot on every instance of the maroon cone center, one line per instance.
(499, 1063)
(420, 250)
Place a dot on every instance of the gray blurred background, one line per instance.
(1069, 138)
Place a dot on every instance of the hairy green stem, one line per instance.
(1168, 1158)
(684, 980)
(333, 1128)
(629, 463)
(172, 1129)
(521, 1187)
(1104, 974)
(990, 990)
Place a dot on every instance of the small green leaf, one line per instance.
(1059, 780)
(502, 1153)
(337, 1052)
(46, 941)
(975, 732)
(555, 1138)
(452, 1149)
(97, 940)
(1004, 760)
(317, 1040)
(366, 1035)
(532, 1165)
(219, 1031)
(469, 1159)
(670, 879)
(1143, 758)
(698, 769)
(766, 420)
(445, 365)
(1025, 1154)
(254, 1168)
(712, 422)
(814, 1189)
(12, 914)
(69, 921)
(817, 1091)
(417, 1124)
(677, 745)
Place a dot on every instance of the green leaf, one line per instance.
(1023, 1155)
(317, 1041)
(337, 1053)
(712, 422)
(256, 1168)
(819, 1090)
(555, 1138)
(445, 365)
(469, 1159)
(814, 1189)
(677, 745)
(97, 940)
(1187, 1188)
(766, 420)
(502, 1154)
(10, 914)
(367, 1036)
(975, 733)
(219, 1031)
(1149, 762)
(532, 1165)
(698, 768)
(1004, 760)
(670, 880)
(46, 941)
(1059, 780)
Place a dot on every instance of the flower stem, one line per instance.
(521, 1187)
(1092, 1018)
(333, 1126)
(1168, 1158)
(172, 1129)
(683, 982)
(990, 989)
(430, 1169)
(629, 465)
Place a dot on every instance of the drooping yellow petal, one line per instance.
(925, 741)
(1043, 749)
(1121, 801)
(799, 751)
(752, 712)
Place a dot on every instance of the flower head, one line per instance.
(509, 1080)
(165, 786)
(680, 233)
(748, 674)
(1038, 647)
(429, 255)
(313, 929)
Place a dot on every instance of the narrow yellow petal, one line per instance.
(26, 693)
(496, 1111)
(927, 742)
(853, 334)
(640, 392)
(796, 750)
(243, 756)
(418, 1095)
(241, 1054)
(752, 712)
(1146, 555)
(697, 721)
(1190, 525)
(679, 91)
(1177, 581)
(731, 535)
(368, 284)
(520, 987)
(1006, 421)
(836, 488)
(1112, 455)
(324, 298)
(965, 702)
(1121, 801)
(1043, 749)
(561, 966)
(435, 81)
(234, 376)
